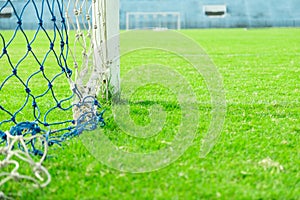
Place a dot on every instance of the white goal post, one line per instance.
(153, 20)
(106, 33)
(96, 25)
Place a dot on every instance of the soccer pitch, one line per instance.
(255, 157)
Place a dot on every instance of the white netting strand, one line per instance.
(13, 157)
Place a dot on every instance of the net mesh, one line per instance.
(12, 157)
(49, 74)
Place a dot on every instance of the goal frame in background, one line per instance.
(155, 14)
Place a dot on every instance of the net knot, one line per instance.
(4, 50)
(101, 119)
(15, 175)
(28, 47)
(13, 119)
(37, 152)
(69, 72)
(96, 102)
(27, 90)
(53, 142)
(62, 44)
(50, 85)
(19, 22)
(3, 136)
(34, 104)
(37, 167)
(76, 12)
(78, 35)
(51, 46)
(75, 65)
(14, 71)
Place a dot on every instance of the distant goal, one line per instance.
(153, 20)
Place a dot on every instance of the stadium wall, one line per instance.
(239, 13)
(28, 14)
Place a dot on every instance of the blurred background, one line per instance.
(176, 14)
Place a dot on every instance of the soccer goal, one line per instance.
(153, 20)
(58, 59)
(58, 43)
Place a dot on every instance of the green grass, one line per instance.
(260, 70)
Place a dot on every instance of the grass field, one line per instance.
(257, 155)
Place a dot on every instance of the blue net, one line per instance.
(37, 90)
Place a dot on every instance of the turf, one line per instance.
(260, 70)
